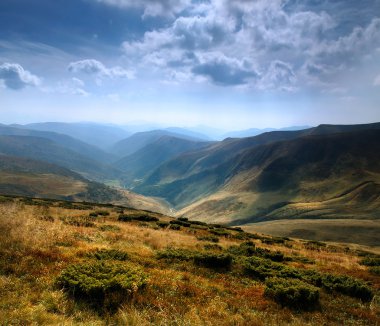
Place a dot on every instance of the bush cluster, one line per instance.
(292, 293)
(83, 221)
(249, 249)
(211, 238)
(370, 261)
(103, 284)
(109, 254)
(141, 218)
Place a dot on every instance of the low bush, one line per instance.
(292, 293)
(249, 249)
(109, 227)
(213, 260)
(175, 254)
(141, 218)
(212, 246)
(104, 285)
(83, 221)
(220, 232)
(183, 219)
(348, 286)
(262, 268)
(93, 215)
(108, 254)
(375, 270)
(102, 212)
(181, 223)
(163, 225)
(124, 218)
(175, 227)
(210, 238)
(370, 261)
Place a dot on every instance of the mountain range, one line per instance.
(319, 173)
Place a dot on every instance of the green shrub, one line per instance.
(181, 223)
(102, 212)
(124, 218)
(183, 219)
(102, 284)
(370, 261)
(220, 232)
(213, 260)
(108, 227)
(175, 227)
(175, 254)
(249, 249)
(375, 270)
(199, 223)
(292, 293)
(212, 246)
(163, 224)
(262, 268)
(348, 286)
(141, 218)
(83, 221)
(93, 215)
(109, 254)
(210, 238)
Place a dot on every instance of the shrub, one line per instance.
(220, 232)
(108, 227)
(83, 221)
(375, 270)
(103, 284)
(175, 227)
(199, 223)
(181, 223)
(175, 254)
(102, 212)
(109, 254)
(262, 268)
(145, 218)
(370, 261)
(183, 219)
(213, 260)
(249, 249)
(93, 215)
(292, 293)
(210, 238)
(124, 218)
(347, 285)
(163, 224)
(212, 247)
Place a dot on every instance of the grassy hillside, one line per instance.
(67, 141)
(323, 176)
(141, 163)
(27, 177)
(145, 268)
(43, 149)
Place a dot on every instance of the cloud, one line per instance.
(151, 7)
(376, 81)
(223, 70)
(74, 86)
(279, 75)
(15, 77)
(94, 67)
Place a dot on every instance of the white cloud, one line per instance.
(15, 77)
(151, 7)
(94, 67)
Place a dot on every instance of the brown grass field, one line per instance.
(38, 241)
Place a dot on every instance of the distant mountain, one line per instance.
(250, 179)
(189, 133)
(255, 131)
(43, 149)
(103, 136)
(139, 140)
(27, 177)
(141, 163)
(68, 142)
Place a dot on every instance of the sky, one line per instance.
(229, 64)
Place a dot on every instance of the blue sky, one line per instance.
(228, 64)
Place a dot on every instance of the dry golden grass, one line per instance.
(34, 249)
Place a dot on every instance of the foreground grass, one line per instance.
(196, 274)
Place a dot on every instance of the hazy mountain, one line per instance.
(141, 163)
(27, 177)
(189, 133)
(250, 178)
(43, 149)
(139, 140)
(255, 131)
(67, 141)
(103, 136)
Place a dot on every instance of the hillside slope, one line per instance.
(310, 176)
(69, 142)
(43, 149)
(141, 163)
(139, 140)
